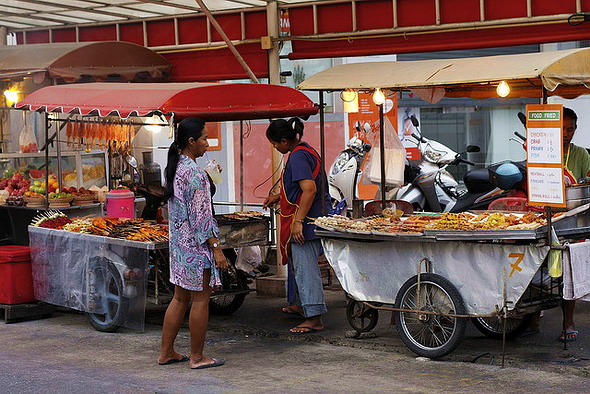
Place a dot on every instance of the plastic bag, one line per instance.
(555, 258)
(249, 257)
(214, 170)
(27, 141)
(395, 159)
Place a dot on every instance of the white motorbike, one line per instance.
(430, 187)
(345, 173)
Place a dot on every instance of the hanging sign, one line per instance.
(545, 155)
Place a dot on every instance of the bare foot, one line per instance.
(293, 310)
(169, 358)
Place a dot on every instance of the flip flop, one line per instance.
(216, 363)
(174, 361)
(290, 310)
(570, 336)
(308, 330)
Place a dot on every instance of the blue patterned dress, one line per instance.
(191, 224)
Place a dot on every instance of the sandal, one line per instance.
(569, 336)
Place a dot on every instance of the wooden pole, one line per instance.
(228, 42)
(382, 154)
(322, 152)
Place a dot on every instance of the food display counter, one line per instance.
(435, 270)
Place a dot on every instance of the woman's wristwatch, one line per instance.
(214, 245)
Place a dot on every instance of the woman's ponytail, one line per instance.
(290, 130)
(170, 170)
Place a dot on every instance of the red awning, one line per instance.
(210, 102)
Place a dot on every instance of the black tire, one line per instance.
(362, 318)
(492, 327)
(430, 336)
(117, 304)
(228, 301)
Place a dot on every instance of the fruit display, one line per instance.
(15, 201)
(16, 185)
(31, 147)
(62, 194)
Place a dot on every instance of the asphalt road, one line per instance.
(64, 354)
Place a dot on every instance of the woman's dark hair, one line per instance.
(187, 128)
(569, 113)
(281, 129)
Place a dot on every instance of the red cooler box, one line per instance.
(16, 279)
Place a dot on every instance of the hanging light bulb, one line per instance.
(350, 99)
(155, 124)
(378, 97)
(11, 96)
(503, 89)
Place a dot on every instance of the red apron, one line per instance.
(289, 209)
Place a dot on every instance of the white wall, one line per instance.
(581, 106)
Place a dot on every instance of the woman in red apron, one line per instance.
(300, 201)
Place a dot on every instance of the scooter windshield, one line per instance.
(431, 154)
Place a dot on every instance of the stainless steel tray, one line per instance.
(489, 235)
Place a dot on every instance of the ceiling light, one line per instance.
(378, 97)
(503, 89)
(350, 98)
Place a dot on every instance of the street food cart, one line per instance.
(435, 277)
(107, 276)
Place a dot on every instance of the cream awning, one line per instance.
(563, 73)
(76, 60)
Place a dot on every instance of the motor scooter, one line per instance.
(345, 172)
(431, 187)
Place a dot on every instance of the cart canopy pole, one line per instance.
(241, 165)
(548, 208)
(46, 118)
(228, 42)
(322, 152)
(382, 154)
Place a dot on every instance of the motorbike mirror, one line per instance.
(357, 126)
(472, 149)
(414, 121)
(522, 118)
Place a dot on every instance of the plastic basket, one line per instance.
(513, 204)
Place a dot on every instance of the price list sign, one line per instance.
(545, 155)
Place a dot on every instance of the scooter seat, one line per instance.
(478, 181)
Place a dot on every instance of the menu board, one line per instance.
(545, 155)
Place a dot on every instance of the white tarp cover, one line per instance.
(71, 270)
(376, 271)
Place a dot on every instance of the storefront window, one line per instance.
(301, 70)
(490, 128)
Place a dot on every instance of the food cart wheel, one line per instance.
(235, 287)
(360, 316)
(427, 335)
(492, 327)
(231, 297)
(112, 288)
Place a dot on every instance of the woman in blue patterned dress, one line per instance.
(195, 255)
